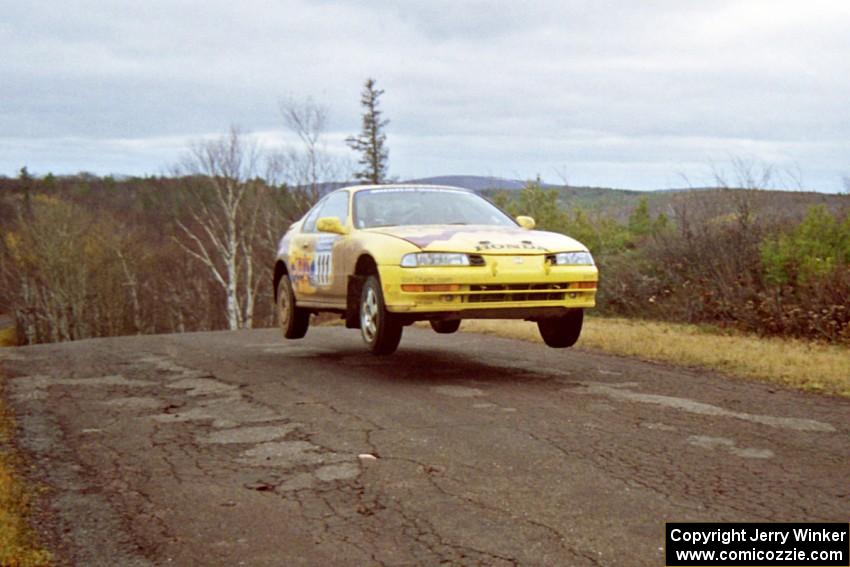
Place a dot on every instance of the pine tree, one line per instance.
(27, 186)
(640, 223)
(371, 142)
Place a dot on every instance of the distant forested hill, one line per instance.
(619, 203)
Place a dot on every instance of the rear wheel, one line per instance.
(562, 332)
(380, 330)
(293, 320)
(446, 327)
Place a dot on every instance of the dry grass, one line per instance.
(7, 337)
(804, 365)
(18, 544)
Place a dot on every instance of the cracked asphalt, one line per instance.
(237, 448)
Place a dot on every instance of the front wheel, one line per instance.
(380, 330)
(294, 321)
(562, 332)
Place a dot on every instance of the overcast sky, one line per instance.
(624, 94)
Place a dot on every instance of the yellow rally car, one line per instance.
(385, 256)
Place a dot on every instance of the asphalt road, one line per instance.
(240, 449)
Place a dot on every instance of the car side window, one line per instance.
(311, 218)
(336, 205)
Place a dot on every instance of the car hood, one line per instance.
(482, 239)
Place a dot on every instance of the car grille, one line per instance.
(517, 292)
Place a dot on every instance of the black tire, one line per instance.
(294, 321)
(562, 332)
(446, 327)
(380, 330)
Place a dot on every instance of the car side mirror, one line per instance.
(330, 224)
(526, 222)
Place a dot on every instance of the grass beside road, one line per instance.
(18, 545)
(800, 364)
(7, 337)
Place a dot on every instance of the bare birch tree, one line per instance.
(223, 217)
(307, 120)
(310, 166)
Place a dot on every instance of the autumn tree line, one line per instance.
(85, 256)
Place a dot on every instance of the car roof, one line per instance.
(356, 188)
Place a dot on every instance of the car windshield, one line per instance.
(424, 205)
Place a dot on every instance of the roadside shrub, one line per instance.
(811, 251)
(748, 275)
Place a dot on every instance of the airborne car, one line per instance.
(384, 256)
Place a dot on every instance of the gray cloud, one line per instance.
(614, 93)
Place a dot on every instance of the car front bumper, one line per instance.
(506, 286)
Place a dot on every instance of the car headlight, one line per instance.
(434, 259)
(573, 259)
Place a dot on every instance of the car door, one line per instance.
(330, 250)
(301, 250)
(320, 255)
